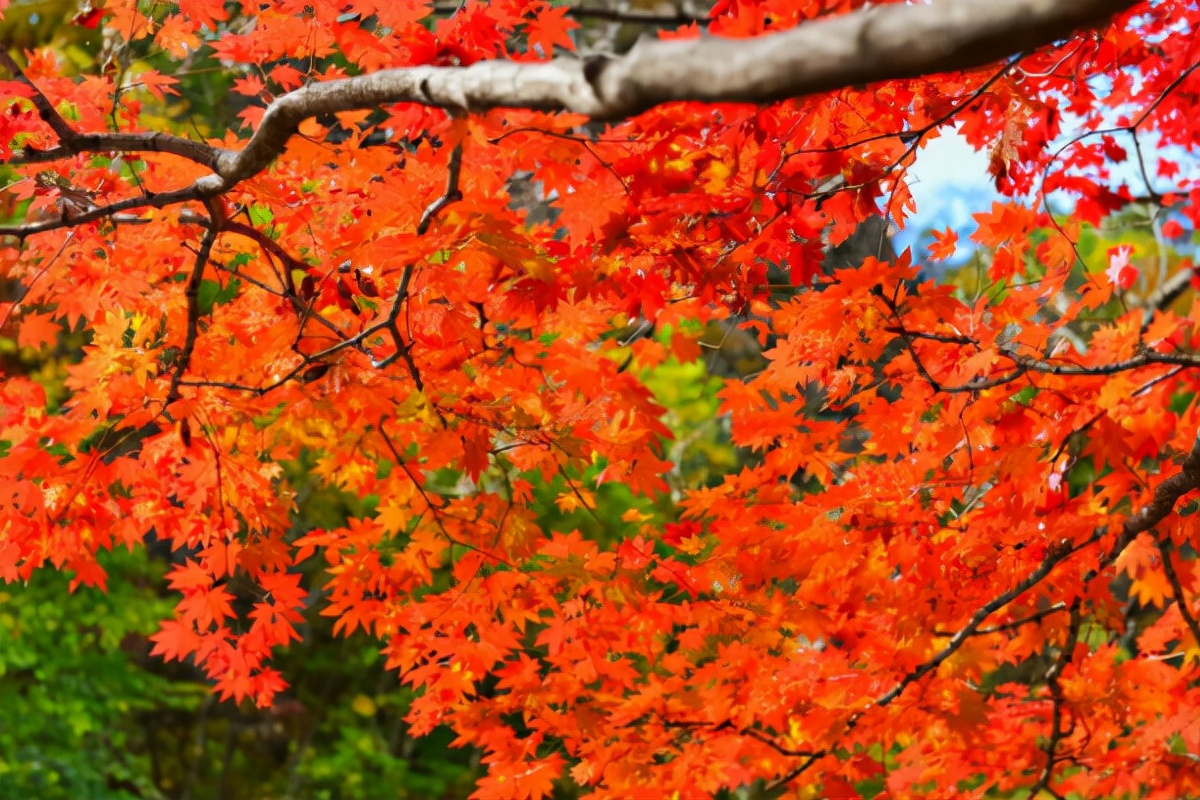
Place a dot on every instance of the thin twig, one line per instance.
(631, 17)
(1181, 600)
(148, 200)
(1160, 506)
(192, 293)
(71, 143)
(452, 194)
(1057, 732)
(1016, 623)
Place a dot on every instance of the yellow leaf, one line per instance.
(412, 407)
(363, 706)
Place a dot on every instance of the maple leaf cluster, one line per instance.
(920, 574)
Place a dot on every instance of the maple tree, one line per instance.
(957, 555)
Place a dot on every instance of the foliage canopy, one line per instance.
(639, 489)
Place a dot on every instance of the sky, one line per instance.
(949, 182)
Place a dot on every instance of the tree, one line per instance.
(955, 555)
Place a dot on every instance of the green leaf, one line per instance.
(260, 215)
(1026, 395)
(213, 294)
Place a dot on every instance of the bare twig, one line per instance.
(726, 725)
(1132, 129)
(1142, 360)
(148, 200)
(1145, 387)
(286, 259)
(435, 510)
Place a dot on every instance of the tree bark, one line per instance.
(875, 44)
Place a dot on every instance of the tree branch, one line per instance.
(71, 143)
(1167, 293)
(1189, 619)
(45, 108)
(192, 293)
(153, 142)
(875, 44)
(148, 200)
(1058, 701)
(1038, 616)
(626, 17)
(1161, 505)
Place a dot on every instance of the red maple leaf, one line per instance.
(551, 27)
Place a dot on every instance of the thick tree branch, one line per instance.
(876, 44)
